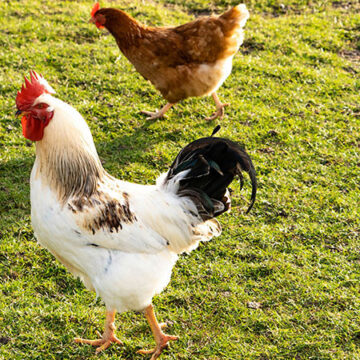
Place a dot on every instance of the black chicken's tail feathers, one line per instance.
(212, 164)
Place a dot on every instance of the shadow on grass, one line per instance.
(137, 146)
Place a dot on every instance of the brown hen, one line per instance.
(193, 59)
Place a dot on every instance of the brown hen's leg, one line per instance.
(219, 113)
(161, 339)
(108, 336)
(157, 114)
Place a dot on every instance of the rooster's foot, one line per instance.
(161, 339)
(102, 343)
(107, 338)
(161, 343)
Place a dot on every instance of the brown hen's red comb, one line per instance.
(95, 9)
(32, 90)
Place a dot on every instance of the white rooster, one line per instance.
(121, 239)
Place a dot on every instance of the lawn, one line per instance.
(281, 282)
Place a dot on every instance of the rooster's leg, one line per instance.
(161, 339)
(219, 113)
(108, 336)
(157, 114)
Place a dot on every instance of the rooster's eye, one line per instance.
(41, 106)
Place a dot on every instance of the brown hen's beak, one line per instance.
(20, 112)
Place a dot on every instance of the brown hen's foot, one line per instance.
(217, 114)
(157, 114)
(107, 338)
(161, 339)
(220, 112)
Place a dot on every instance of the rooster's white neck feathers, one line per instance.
(66, 157)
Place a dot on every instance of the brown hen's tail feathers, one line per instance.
(239, 13)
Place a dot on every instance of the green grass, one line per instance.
(295, 105)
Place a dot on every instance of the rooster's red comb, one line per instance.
(95, 9)
(31, 90)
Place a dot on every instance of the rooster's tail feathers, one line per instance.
(204, 169)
